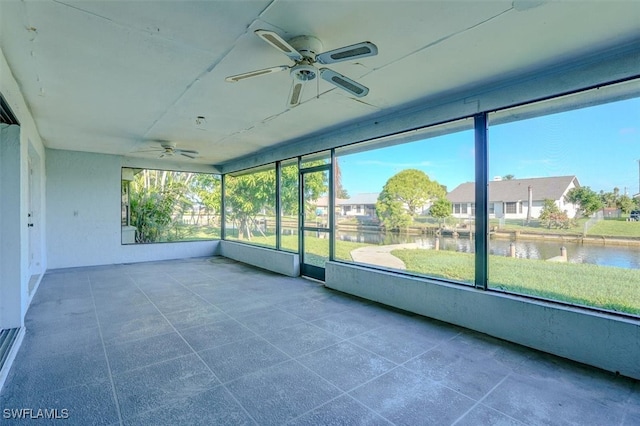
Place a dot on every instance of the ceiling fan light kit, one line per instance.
(304, 51)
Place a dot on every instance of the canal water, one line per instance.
(627, 257)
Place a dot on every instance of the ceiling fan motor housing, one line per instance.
(307, 46)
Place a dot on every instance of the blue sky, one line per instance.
(600, 145)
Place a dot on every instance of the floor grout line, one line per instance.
(255, 289)
(106, 357)
(479, 402)
(199, 357)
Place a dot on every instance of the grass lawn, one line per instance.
(535, 227)
(604, 228)
(615, 228)
(317, 249)
(604, 287)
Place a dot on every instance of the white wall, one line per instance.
(10, 238)
(83, 213)
(281, 262)
(15, 274)
(605, 341)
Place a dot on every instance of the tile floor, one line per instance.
(215, 342)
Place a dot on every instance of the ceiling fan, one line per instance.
(304, 51)
(168, 149)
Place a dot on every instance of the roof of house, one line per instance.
(359, 199)
(552, 188)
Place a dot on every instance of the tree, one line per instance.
(157, 198)
(626, 204)
(391, 212)
(508, 177)
(246, 196)
(207, 187)
(588, 200)
(403, 195)
(610, 199)
(552, 217)
(441, 208)
(337, 178)
(249, 194)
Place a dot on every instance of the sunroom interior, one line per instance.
(95, 94)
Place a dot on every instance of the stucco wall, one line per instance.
(14, 234)
(604, 341)
(83, 212)
(10, 231)
(281, 262)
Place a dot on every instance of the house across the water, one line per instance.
(363, 204)
(512, 199)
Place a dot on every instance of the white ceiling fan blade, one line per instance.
(296, 93)
(188, 155)
(256, 73)
(345, 83)
(348, 53)
(279, 43)
(150, 150)
(188, 151)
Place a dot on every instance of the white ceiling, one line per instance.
(115, 76)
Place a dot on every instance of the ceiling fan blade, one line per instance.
(348, 53)
(188, 151)
(279, 43)
(187, 155)
(150, 150)
(345, 83)
(256, 73)
(296, 93)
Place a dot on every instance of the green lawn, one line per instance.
(615, 228)
(535, 227)
(604, 287)
(317, 249)
(604, 228)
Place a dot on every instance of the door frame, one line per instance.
(308, 270)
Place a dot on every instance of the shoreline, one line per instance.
(506, 235)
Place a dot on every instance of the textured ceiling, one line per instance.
(114, 77)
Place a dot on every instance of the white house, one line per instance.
(515, 198)
(363, 204)
(359, 205)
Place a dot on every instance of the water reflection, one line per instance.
(619, 256)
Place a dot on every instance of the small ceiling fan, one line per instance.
(168, 149)
(304, 51)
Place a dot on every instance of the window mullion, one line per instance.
(481, 189)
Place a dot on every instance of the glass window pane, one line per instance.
(316, 199)
(316, 248)
(561, 201)
(289, 204)
(250, 203)
(167, 206)
(316, 159)
(393, 209)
